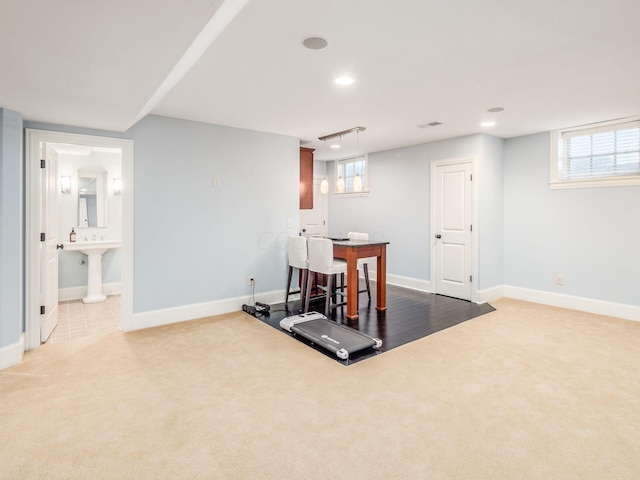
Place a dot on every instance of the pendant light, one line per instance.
(357, 181)
(324, 184)
(340, 183)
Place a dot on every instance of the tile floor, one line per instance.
(77, 319)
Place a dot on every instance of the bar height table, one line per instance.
(351, 251)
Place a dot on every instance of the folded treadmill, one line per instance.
(339, 339)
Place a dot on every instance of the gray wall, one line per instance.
(11, 228)
(490, 205)
(589, 235)
(194, 243)
(398, 206)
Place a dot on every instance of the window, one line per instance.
(351, 175)
(605, 154)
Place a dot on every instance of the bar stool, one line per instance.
(363, 262)
(321, 261)
(298, 258)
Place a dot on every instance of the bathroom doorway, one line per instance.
(78, 171)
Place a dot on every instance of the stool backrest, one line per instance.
(297, 251)
(357, 236)
(320, 255)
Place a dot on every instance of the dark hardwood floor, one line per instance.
(410, 315)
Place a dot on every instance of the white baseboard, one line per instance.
(490, 294)
(12, 354)
(166, 316)
(599, 307)
(401, 281)
(76, 293)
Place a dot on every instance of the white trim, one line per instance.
(12, 354)
(75, 293)
(401, 281)
(364, 193)
(184, 313)
(490, 294)
(33, 138)
(474, 216)
(599, 307)
(625, 181)
(555, 183)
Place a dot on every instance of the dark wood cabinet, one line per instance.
(306, 178)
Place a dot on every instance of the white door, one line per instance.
(49, 247)
(313, 222)
(452, 197)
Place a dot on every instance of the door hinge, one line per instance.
(43, 164)
(42, 237)
(471, 278)
(471, 177)
(41, 309)
(471, 228)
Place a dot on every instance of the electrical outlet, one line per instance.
(251, 281)
(289, 223)
(559, 279)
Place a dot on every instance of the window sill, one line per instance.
(351, 194)
(604, 182)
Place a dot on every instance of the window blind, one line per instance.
(600, 152)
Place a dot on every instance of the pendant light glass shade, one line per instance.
(357, 183)
(324, 186)
(340, 185)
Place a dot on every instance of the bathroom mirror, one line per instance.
(92, 205)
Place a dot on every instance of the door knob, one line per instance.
(438, 236)
(60, 246)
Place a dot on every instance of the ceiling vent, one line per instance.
(432, 124)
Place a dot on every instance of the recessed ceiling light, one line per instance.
(335, 146)
(495, 109)
(487, 124)
(432, 124)
(345, 80)
(315, 43)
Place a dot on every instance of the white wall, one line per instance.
(590, 236)
(71, 272)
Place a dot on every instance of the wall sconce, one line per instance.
(65, 184)
(117, 186)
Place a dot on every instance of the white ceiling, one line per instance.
(549, 63)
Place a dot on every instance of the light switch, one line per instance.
(289, 223)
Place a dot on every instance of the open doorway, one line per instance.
(95, 173)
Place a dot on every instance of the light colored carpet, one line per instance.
(525, 392)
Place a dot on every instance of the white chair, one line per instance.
(321, 261)
(298, 258)
(363, 262)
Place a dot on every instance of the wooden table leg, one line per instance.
(352, 284)
(381, 283)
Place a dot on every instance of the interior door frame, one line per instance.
(474, 216)
(33, 220)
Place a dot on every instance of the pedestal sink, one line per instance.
(93, 250)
